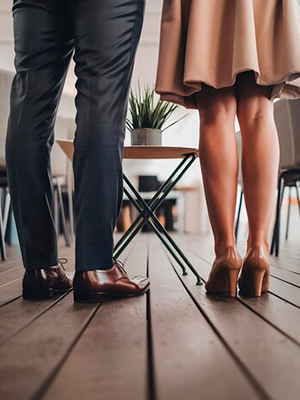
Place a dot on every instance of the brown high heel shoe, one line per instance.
(254, 279)
(224, 273)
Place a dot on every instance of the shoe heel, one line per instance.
(257, 281)
(37, 294)
(91, 297)
(232, 277)
(254, 282)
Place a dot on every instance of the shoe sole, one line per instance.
(104, 296)
(244, 293)
(43, 294)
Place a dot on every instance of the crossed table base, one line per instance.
(147, 210)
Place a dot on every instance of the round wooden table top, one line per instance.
(139, 152)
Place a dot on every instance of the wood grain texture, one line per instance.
(278, 312)
(190, 361)
(10, 292)
(11, 276)
(178, 342)
(112, 350)
(36, 351)
(261, 348)
(18, 314)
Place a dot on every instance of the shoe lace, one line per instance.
(120, 265)
(62, 261)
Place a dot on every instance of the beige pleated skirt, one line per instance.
(211, 41)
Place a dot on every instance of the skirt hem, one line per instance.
(282, 87)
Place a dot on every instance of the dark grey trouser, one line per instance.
(103, 35)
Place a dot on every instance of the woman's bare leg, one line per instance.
(260, 156)
(219, 160)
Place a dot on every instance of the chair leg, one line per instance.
(276, 229)
(298, 197)
(7, 207)
(71, 212)
(56, 209)
(288, 215)
(2, 238)
(63, 216)
(278, 225)
(275, 223)
(238, 215)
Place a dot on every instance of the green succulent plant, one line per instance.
(147, 112)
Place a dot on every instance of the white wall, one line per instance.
(6, 36)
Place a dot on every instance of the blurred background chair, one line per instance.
(294, 111)
(287, 119)
(240, 185)
(5, 205)
(5, 208)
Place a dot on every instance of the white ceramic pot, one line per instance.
(146, 137)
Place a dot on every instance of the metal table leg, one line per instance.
(163, 188)
(147, 212)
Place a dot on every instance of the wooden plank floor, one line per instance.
(173, 343)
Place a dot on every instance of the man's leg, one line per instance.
(106, 38)
(43, 51)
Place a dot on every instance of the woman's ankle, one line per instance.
(221, 247)
(258, 242)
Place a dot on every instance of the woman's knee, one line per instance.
(216, 105)
(254, 111)
(253, 101)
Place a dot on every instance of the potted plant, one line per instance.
(148, 117)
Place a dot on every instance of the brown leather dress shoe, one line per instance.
(254, 279)
(224, 273)
(44, 283)
(99, 285)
